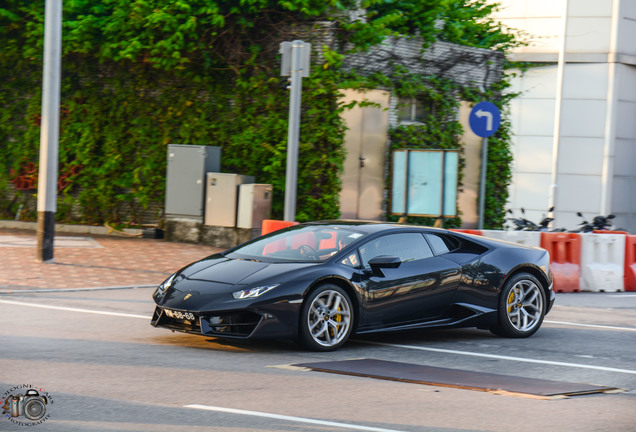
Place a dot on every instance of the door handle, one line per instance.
(450, 273)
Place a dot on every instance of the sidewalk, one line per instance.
(91, 261)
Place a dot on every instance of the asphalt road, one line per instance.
(105, 368)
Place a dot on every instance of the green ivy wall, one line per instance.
(141, 74)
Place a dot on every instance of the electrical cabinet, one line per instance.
(255, 205)
(185, 178)
(222, 198)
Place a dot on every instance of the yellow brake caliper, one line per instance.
(511, 300)
(338, 319)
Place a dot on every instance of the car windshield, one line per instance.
(301, 243)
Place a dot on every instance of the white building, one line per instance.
(574, 123)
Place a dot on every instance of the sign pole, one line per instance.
(484, 120)
(49, 132)
(291, 177)
(295, 64)
(482, 182)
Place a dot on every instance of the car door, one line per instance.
(420, 288)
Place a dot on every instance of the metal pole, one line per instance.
(556, 135)
(609, 145)
(482, 182)
(407, 174)
(294, 131)
(440, 221)
(49, 134)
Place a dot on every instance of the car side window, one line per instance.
(441, 244)
(406, 246)
(351, 260)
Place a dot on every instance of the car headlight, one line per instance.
(253, 292)
(165, 285)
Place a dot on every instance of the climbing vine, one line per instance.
(139, 75)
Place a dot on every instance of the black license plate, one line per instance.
(180, 315)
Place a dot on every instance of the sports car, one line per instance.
(320, 282)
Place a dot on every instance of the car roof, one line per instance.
(371, 227)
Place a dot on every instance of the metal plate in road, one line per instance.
(444, 377)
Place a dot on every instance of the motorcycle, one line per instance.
(599, 223)
(524, 224)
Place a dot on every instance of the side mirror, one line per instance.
(611, 216)
(384, 261)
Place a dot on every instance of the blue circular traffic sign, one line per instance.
(484, 119)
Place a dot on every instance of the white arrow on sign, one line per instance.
(488, 116)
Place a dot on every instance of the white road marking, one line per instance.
(56, 290)
(592, 325)
(500, 357)
(70, 309)
(288, 418)
(439, 350)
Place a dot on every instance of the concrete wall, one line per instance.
(595, 150)
(465, 65)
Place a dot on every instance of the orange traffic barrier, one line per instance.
(270, 225)
(565, 259)
(467, 231)
(630, 263)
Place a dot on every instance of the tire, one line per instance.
(326, 318)
(522, 307)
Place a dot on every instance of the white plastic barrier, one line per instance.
(602, 262)
(528, 238)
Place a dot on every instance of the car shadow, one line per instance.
(274, 346)
(408, 337)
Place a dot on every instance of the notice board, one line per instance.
(424, 183)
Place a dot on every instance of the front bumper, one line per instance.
(277, 321)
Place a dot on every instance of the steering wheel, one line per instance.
(308, 252)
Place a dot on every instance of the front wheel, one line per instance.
(326, 318)
(522, 307)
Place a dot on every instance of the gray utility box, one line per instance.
(221, 200)
(255, 205)
(185, 179)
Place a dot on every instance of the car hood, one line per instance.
(208, 284)
(233, 272)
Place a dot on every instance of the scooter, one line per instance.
(543, 225)
(523, 224)
(599, 223)
(520, 223)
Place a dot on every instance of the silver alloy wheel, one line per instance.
(329, 318)
(524, 306)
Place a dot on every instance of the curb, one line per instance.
(66, 228)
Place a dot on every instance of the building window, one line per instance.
(414, 110)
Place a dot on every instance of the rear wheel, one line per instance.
(326, 318)
(521, 307)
